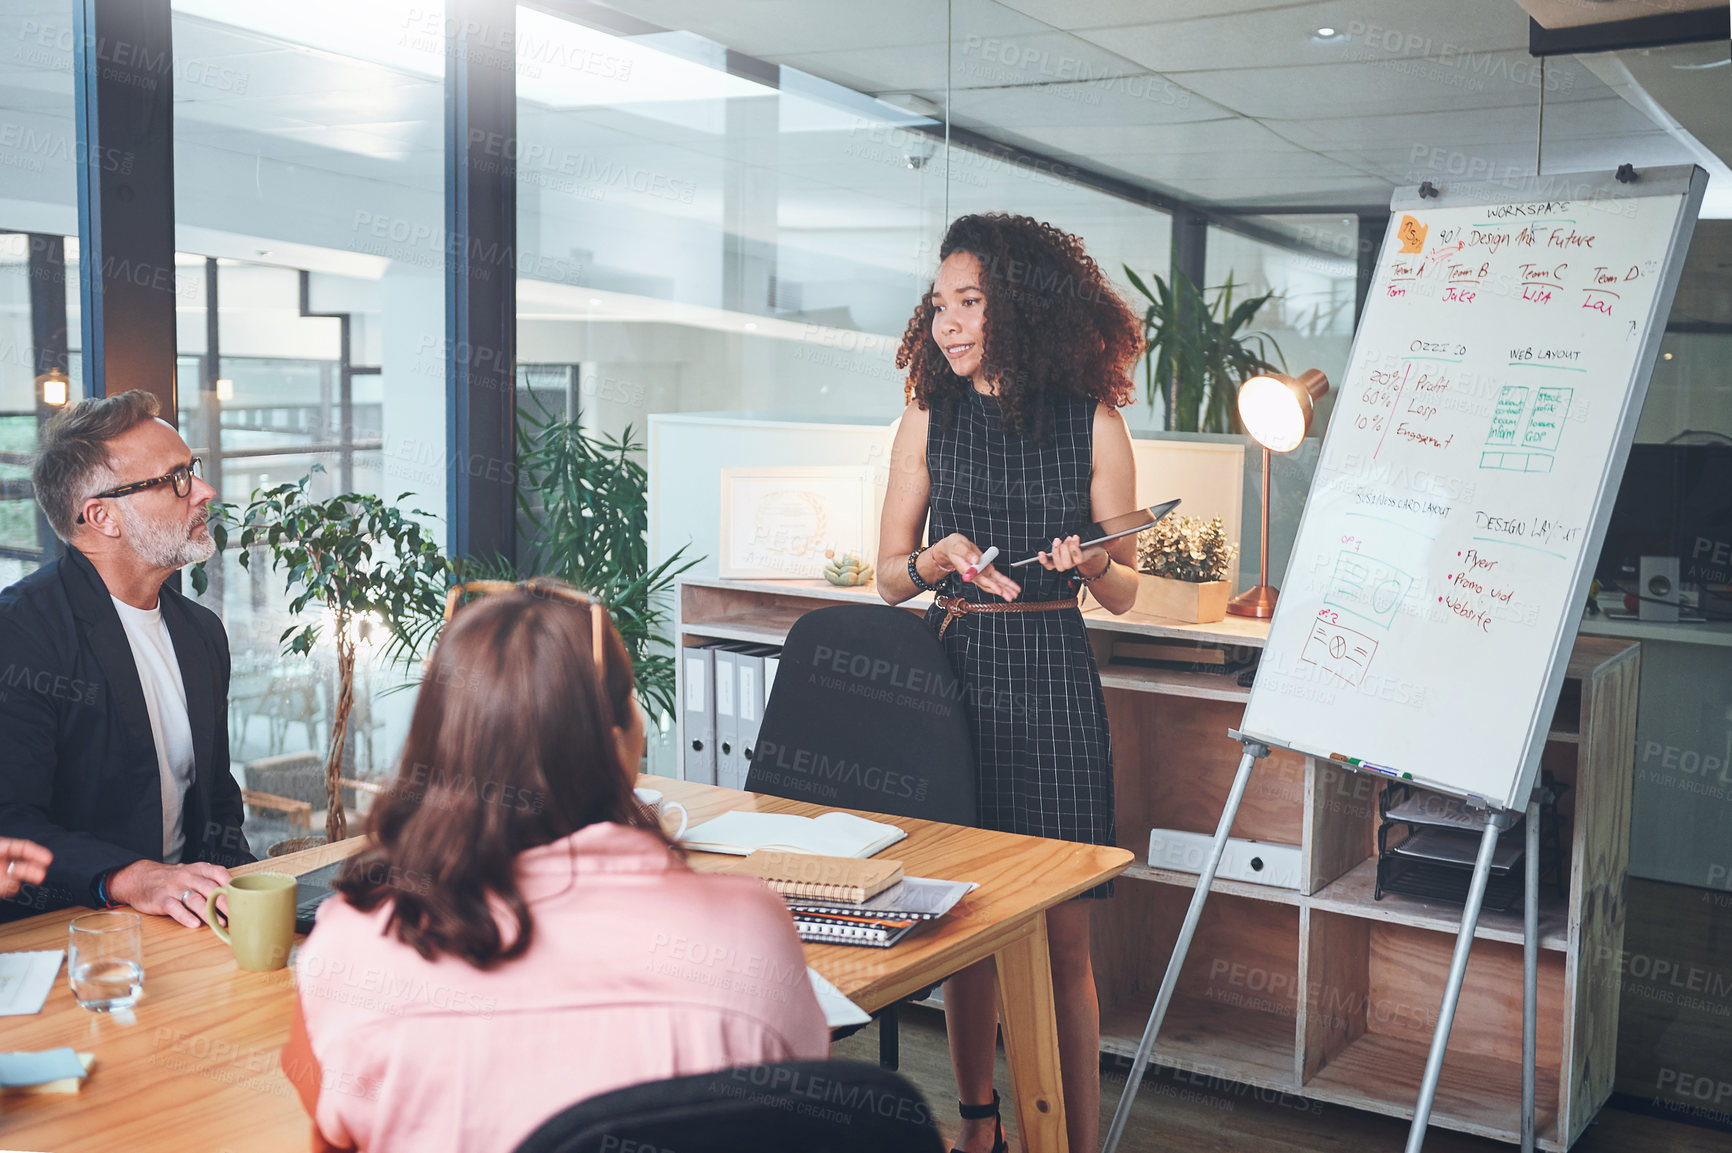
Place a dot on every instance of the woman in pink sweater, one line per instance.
(521, 935)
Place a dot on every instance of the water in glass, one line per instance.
(105, 960)
(106, 985)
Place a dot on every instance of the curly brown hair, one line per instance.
(1054, 327)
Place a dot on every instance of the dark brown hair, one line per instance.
(71, 462)
(1055, 327)
(510, 746)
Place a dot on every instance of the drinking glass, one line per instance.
(105, 961)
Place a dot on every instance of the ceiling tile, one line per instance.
(1286, 35)
(1395, 86)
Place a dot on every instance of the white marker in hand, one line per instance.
(986, 558)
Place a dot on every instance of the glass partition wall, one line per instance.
(38, 289)
(309, 205)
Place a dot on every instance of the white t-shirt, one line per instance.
(165, 698)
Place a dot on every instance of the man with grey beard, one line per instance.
(113, 686)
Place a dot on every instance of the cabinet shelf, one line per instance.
(1379, 1073)
(1220, 1040)
(1352, 896)
(1204, 686)
(739, 628)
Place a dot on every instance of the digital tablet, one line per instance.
(1116, 526)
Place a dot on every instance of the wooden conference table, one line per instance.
(196, 1066)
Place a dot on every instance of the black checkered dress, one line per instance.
(1033, 693)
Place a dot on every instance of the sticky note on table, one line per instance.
(19, 1070)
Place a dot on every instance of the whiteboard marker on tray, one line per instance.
(986, 558)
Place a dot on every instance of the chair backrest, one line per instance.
(866, 713)
(808, 1106)
(294, 776)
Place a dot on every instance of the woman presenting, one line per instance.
(1017, 365)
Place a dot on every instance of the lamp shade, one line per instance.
(1276, 409)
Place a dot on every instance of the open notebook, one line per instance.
(832, 835)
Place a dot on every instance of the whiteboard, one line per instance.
(1461, 498)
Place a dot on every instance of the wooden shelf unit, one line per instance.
(1324, 992)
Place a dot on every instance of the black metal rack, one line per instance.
(1427, 843)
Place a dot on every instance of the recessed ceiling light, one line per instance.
(1325, 33)
(1665, 356)
(750, 327)
(595, 300)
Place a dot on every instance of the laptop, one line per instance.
(311, 891)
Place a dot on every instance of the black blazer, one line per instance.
(78, 769)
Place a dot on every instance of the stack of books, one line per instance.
(851, 901)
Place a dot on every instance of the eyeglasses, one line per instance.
(469, 591)
(180, 476)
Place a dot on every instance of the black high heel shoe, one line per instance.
(981, 1113)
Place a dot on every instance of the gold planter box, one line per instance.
(1194, 602)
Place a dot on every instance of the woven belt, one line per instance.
(958, 606)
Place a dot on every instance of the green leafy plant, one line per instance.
(360, 559)
(586, 498)
(1197, 352)
(1187, 548)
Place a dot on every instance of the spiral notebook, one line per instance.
(881, 921)
(848, 880)
(910, 899)
(841, 929)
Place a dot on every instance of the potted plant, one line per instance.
(584, 497)
(1186, 567)
(364, 564)
(1196, 352)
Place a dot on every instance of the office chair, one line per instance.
(811, 1106)
(865, 713)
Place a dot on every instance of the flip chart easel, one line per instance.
(1459, 505)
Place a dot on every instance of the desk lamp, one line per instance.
(1276, 412)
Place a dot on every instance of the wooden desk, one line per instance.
(1020, 878)
(196, 1065)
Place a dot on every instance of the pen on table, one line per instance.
(986, 558)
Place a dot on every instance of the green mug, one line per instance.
(261, 920)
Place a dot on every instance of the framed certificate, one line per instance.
(783, 523)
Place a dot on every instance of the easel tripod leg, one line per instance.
(1452, 990)
(1253, 752)
(1530, 973)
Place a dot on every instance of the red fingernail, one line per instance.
(968, 574)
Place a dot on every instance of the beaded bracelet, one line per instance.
(1089, 580)
(914, 573)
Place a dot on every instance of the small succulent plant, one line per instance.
(847, 570)
(1187, 548)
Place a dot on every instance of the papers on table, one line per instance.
(839, 1011)
(25, 979)
(23, 1070)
